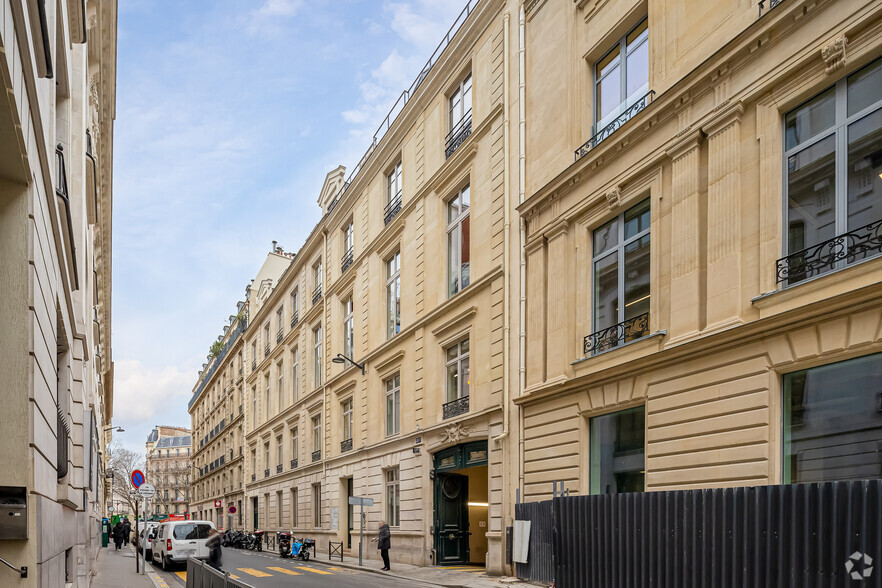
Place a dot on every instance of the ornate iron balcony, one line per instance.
(294, 319)
(316, 455)
(240, 409)
(266, 473)
(392, 208)
(293, 464)
(240, 452)
(253, 364)
(266, 350)
(826, 256)
(458, 134)
(616, 335)
(346, 445)
(456, 407)
(772, 4)
(346, 261)
(253, 477)
(317, 294)
(280, 334)
(614, 126)
(279, 469)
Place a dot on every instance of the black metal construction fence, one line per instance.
(800, 536)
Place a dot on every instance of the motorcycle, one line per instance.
(283, 539)
(301, 548)
(256, 541)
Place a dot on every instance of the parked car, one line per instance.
(175, 541)
(149, 530)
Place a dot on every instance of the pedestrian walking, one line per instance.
(127, 531)
(383, 540)
(214, 549)
(117, 533)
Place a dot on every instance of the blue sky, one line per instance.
(229, 115)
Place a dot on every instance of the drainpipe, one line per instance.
(506, 255)
(522, 280)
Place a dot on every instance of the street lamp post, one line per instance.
(340, 358)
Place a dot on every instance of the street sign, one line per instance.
(138, 478)
(146, 490)
(110, 508)
(232, 509)
(218, 504)
(361, 501)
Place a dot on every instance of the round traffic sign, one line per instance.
(232, 509)
(137, 478)
(110, 508)
(147, 490)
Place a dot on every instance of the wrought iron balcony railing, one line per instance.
(280, 334)
(316, 455)
(266, 350)
(266, 473)
(831, 254)
(772, 4)
(253, 477)
(293, 464)
(392, 208)
(240, 409)
(253, 364)
(615, 125)
(346, 261)
(458, 134)
(456, 407)
(294, 319)
(616, 335)
(240, 452)
(346, 445)
(317, 294)
(279, 469)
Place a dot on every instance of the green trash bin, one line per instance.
(105, 532)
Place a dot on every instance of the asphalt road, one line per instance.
(268, 570)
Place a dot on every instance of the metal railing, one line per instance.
(828, 255)
(294, 319)
(316, 455)
(405, 96)
(615, 125)
(392, 208)
(346, 445)
(346, 261)
(458, 134)
(266, 350)
(772, 4)
(215, 364)
(616, 335)
(201, 575)
(266, 473)
(293, 464)
(253, 364)
(456, 407)
(280, 334)
(335, 549)
(253, 477)
(317, 294)
(279, 469)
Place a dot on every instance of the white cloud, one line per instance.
(265, 20)
(279, 8)
(141, 394)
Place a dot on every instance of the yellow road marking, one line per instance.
(254, 572)
(285, 571)
(234, 576)
(315, 571)
(182, 575)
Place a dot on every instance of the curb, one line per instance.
(349, 566)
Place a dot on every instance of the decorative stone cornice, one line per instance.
(728, 116)
(684, 143)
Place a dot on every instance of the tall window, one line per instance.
(254, 407)
(279, 508)
(833, 172)
(393, 497)
(393, 183)
(253, 461)
(266, 337)
(317, 505)
(295, 375)
(621, 77)
(461, 103)
(266, 456)
(347, 419)
(393, 295)
(458, 371)
(617, 452)
(280, 453)
(832, 422)
(348, 246)
(280, 368)
(266, 382)
(393, 404)
(317, 355)
(316, 433)
(280, 320)
(295, 307)
(348, 329)
(621, 278)
(253, 352)
(458, 242)
(295, 444)
(293, 507)
(317, 280)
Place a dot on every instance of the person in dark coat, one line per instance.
(384, 543)
(214, 549)
(127, 531)
(117, 534)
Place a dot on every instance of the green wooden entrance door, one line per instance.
(452, 519)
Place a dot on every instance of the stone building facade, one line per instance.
(58, 70)
(703, 274)
(167, 467)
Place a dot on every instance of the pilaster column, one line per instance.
(558, 344)
(536, 311)
(686, 279)
(724, 219)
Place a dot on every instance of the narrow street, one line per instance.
(267, 570)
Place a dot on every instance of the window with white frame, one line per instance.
(316, 433)
(280, 368)
(295, 444)
(621, 269)
(458, 371)
(295, 373)
(266, 455)
(348, 329)
(458, 255)
(393, 295)
(347, 419)
(833, 177)
(254, 407)
(266, 337)
(393, 184)
(280, 451)
(621, 76)
(266, 398)
(295, 307)
(393, 497)
(280, 320)
(317, 505)
(317, 355)
(393, 404)
(293, 507)
(348, 246)
(460, 104)
(317, 280)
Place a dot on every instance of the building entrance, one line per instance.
(461, 504)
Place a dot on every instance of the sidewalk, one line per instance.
(451, 577)
(117, 568)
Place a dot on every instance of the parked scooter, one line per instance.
(255, 541)
(283, 539)
(301, 548)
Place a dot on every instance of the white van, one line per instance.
(175, 541)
